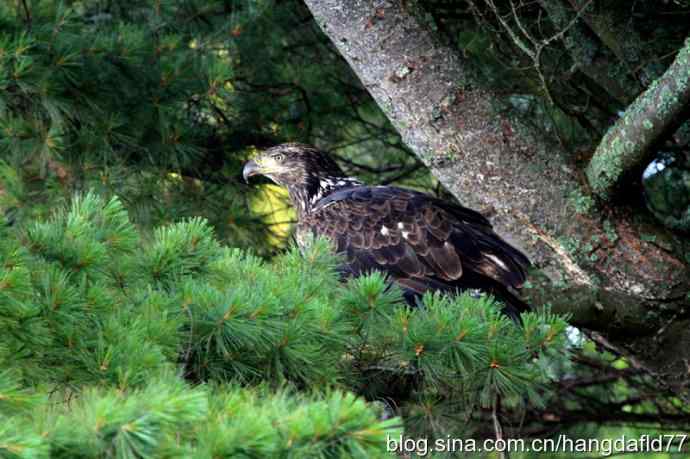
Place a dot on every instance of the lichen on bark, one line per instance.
(628, 143)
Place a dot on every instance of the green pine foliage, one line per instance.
(160, 103)
(120, 97)
(168, 418)
(116, 345)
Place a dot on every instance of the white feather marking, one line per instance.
(497, 261)
(405, 234)
(384, 230)
(316, 198)
(400, 225)
(328, 204)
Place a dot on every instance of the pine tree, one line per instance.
(118, 97)
(119, 346)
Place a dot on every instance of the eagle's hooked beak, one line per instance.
(250, 169)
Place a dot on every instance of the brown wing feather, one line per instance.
(419, 240)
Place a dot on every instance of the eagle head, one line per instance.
(292, 165)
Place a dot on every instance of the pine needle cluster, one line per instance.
(118, 345)
(121, 97)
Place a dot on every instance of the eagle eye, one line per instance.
(278, 157)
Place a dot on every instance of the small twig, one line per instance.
(559, 35)
(518, 42)
(606, 344)
(27, 14)
(498, 429)
(522, 28)
(403, 174)
(537, 45)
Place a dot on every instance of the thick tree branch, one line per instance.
(627, 144)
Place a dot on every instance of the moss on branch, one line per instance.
(627, 143)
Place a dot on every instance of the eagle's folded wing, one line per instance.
(414, 238)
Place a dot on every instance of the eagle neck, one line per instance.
(306, 195)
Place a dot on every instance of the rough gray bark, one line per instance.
(596, 265)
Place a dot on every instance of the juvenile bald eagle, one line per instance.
(421, 242)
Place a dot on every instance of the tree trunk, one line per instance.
(612, 272)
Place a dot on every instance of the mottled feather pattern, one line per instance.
(408, 234)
